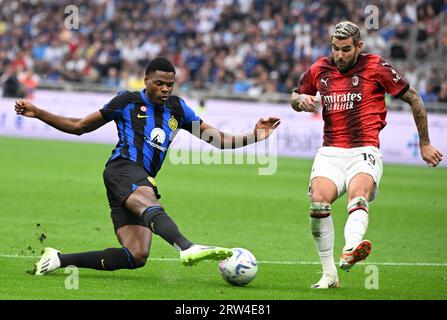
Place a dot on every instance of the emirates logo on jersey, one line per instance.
(337, 101)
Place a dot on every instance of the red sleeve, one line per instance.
(391, 81)
(307, 83)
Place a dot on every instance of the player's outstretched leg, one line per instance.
(48, 262)
(197, 253)
(323, 233)
(356, 249)
(354, 254)
(190, 254)
(109, 259)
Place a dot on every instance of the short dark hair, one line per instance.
(161, 64)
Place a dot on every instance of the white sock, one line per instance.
(357, 223)
(323, 233)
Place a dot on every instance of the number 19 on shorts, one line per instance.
(369, 157)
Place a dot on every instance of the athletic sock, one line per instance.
(323, 233)
(355, 228)
(161, 224)
(357, 222)
(322, 228)
(108, 259)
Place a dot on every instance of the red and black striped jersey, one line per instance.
(353, 103)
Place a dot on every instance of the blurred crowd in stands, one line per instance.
(244, 46)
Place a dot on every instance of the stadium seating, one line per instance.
(245, 47)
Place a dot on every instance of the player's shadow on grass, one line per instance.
(107, 276)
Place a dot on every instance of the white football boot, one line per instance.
(197, 253)
(354, 254)
(327, 281)
(48, 262)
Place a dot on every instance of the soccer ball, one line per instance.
(240, 268)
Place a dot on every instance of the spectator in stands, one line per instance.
(375, 43)
(209, 41)
(429, 94)
(28, 81)
(242, 84)
(443, 93)
(11, 85)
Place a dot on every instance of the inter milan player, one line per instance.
(146, 121)
(352, 87)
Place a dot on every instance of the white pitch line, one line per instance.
(403, 264)
(410, 264)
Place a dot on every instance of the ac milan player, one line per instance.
(352, 88)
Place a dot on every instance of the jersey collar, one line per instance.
(149, 102)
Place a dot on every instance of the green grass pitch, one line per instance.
(51, 194)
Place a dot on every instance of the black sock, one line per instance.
(108, 259)
(161, 224)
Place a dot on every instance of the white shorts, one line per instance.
(340, 165)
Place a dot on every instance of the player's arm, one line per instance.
(303, 97)
(303, 102)
(222, 140)
(429, 153)
(76, 126)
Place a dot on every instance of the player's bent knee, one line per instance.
(320, 209)
(318, 198)
(321, 197)
(140, 257)
(364, 191)
(140, 261)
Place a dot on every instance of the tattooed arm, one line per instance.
(428, 153)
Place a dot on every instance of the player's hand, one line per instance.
(265, 127)
(431, 155)
(25, 108)
(304, 102)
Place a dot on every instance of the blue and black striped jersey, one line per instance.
(146, 130)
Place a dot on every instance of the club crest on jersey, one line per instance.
(355, 80)
(173, 123)
(143, 109)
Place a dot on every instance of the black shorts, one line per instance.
(121, 178)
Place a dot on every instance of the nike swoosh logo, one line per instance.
(333, 284)
(102, 262)
(141, 116)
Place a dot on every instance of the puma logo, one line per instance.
(324, 81)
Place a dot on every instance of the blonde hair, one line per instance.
(345, 30)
